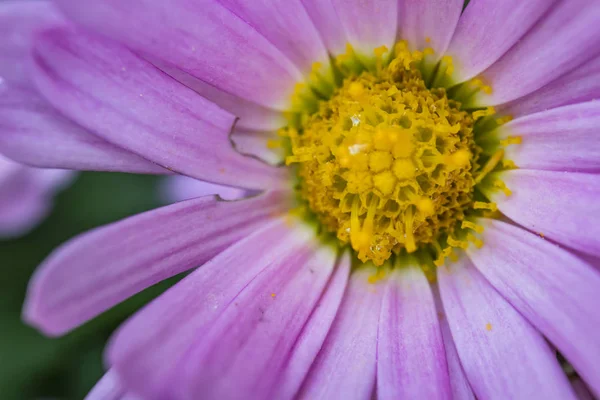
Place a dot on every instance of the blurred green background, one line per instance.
(31, 365)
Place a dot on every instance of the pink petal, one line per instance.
(557, 292)
(580, 85)
(561, 139)
(256, 144)
(107, 388)
(432, 19)
(127, 101)
(567, 37)
(202, 38)
(487, 29)
(251, 115)
(314, 333)
(562, 206)
(99, 269)
(148, 350)
(31, 130)
(503, 356)
(19, 21)
(287, 25)
(26, 195)
(581, 389)
(346, 366)
(177, 188)
(247, 347)
(411, 362)
(368, 24)
(325, 18)
(461, 390)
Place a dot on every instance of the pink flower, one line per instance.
(26, 195)
(477, 234)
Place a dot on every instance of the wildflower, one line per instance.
(435, 227)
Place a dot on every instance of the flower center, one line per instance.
(386, 163)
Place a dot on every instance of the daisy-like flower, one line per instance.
(26, 195)
(432, 234)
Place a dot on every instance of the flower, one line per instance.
(436, 229)
(26, 195)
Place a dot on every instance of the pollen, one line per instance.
(388, 164)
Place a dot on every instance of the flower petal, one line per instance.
(567, 37)
(562, 206)
(202, 38)
(503, 356)
(177, 188)
(179, 319)
(328, 23)
(428, 23)
(107, 388)
(561, 139)
(556, 291)
(251, 115)
(581, 389)
(580, 85)
(32, 132)
(127, 101)
(411, 362)
(487, 29)
(250, 342)
(461, 390)
(19, 21)
(256, 144)
(346, 366)
(287, 25)
(105, 266)
(314, 333)
(26, 195)
(368, 24)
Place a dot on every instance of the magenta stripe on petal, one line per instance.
(580, 85)
(411, 361)
(99, 269)
(314, 333)
(556, 291)
(346, 366)
(565, 38)
(179, 320)
(127, 101)
(200, 37)
(562, 206)
(561, 139)
(428, 23)
(250, 343)
(461, 390)
(503, 356)
(368, 24)
(487, 29)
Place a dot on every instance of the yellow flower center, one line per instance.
(384, 162)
